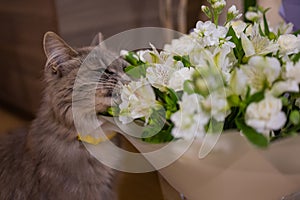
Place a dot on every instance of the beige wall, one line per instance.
(273, 14)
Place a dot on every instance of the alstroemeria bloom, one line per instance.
(219, 59)
(181, 46)
(159, 75)
(284, 28)
(281, 87)
(289, 44)
(266, 115)
(190, 120)
(293, 71)
(215, 105)
(179, 77)
(290, 82)
(208, 34)
(257, 44)
(238, 82)
(137, 101)
(153, 56)
(260, 72)
(239, 27)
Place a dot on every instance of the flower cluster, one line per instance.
(242, 75)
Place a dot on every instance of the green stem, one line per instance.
(216, 18)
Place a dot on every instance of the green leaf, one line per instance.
(256, 97)
(297, 32)
(188, 87)
(252, 135)
(261, 31)
(161, 137)
(157, 131)
(295, 58)
(295, 117)
(131, 58)
(238, 50)
(173, 94)
(136, 71)
(128, 68)
(184, 59)
(266, 25)
(285, 101)
(234, 100)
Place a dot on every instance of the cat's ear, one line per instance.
(98, 39)
(57, 48)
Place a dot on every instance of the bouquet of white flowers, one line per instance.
(240, 75)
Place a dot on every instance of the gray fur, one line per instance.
(47, 162)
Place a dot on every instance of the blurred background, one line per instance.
(24, 22)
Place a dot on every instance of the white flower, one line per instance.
(124, 53)
(209, 34)
(238, 82)
(189, 121)
(159, 76)
(233, 10)
(235, 13)
(253, 16)
(179, 77)
(284, 28)
(137, 100)
(292, 71)
(289, 44)
(181, 46)
(218, 59)
(153, 56)
(257, 45)
(238, 26)
(261, 71)
(219, 4)
(281, 87)
(265, 115)
(215, 105)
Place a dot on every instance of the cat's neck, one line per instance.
(48, 134)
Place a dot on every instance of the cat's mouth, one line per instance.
(108, 98)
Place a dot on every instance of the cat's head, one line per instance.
(98, 77)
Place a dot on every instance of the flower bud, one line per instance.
(219, 5)
(295, 117)
(207, 11)
(233, 13)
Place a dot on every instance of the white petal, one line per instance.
(284, 86)
(276, 122)
(247, 46)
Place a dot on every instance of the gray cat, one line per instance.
(48, 161)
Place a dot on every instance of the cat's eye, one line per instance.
(56, 71)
